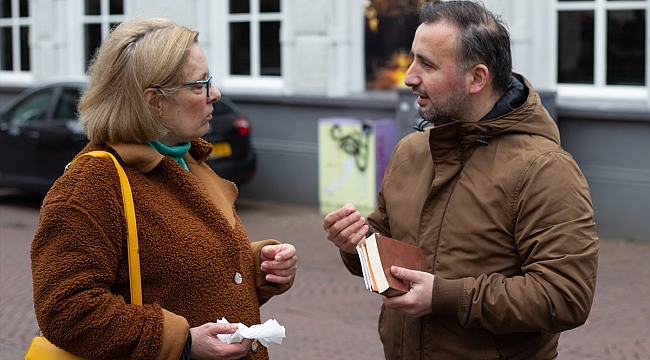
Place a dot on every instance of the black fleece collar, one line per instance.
(513, 98)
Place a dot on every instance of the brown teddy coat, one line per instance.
(197, 263)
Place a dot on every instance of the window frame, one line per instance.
(104, 19)
(599, 89)
(219, 56)
(16, 22)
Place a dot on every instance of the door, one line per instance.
(19, 135)
(60, 138)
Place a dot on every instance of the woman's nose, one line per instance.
(215, 94)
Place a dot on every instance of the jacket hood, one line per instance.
(517, 121)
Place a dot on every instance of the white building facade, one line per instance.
(288, 63)
(318, 45)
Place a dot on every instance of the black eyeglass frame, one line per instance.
(207, 82)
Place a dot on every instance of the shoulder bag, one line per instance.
(40, 348)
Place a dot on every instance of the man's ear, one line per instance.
(152, 97)
(479, 78)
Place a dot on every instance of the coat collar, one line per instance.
(144, 158)
(529, 118)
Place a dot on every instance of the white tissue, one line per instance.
(270, 331)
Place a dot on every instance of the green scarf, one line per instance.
(175, 152)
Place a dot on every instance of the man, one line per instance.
(501, 212)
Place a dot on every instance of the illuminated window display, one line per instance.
(390, 27)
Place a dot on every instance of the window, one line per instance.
(66, 107)
(389, 31)
(33, 109)
(602, 44)
(254, 38)
(100, 16)
(14, 36)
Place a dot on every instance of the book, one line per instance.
(378, 254)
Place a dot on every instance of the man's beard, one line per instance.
(451, 109)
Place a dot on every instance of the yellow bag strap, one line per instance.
(131, 227)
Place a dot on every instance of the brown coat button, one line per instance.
(237, 278)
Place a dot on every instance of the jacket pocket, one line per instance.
(391, 324)
(523, 345)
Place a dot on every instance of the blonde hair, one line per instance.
(138, 54)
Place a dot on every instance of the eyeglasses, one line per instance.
(207, 83)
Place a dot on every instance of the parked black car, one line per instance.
(40, 134)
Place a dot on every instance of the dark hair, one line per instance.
(482, 39)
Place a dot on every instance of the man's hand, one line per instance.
(207, 346)
(345, 228)
(416, 302)
(279, 262)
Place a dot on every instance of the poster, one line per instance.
(352, 157)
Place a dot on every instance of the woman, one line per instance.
(148, 102)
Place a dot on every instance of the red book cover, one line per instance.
(383, 252)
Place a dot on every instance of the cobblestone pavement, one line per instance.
(328, 314)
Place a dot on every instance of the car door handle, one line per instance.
(33, 134)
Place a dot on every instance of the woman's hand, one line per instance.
(207, 346)
(279, 262)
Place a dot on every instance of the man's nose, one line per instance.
(411, 79)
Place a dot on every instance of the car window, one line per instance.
(67, 106)
(31, 109)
